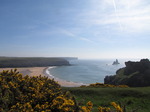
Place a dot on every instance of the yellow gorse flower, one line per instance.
(88, 107)
(117, 107)
(63, 103)
(103, 109)
(105, 85)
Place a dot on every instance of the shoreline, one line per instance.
(43, 71)
(62, 82)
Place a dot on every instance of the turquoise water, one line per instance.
(86, 71)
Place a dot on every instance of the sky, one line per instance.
(90, 29)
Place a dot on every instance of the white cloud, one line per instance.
(133, 15)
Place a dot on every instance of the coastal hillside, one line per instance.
(135, 74)
(40, 94)
(31, 62)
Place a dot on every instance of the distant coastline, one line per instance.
(17, 62)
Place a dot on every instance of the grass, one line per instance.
(133, 98)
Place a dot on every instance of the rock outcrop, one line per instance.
(135, 74)
(115, 62)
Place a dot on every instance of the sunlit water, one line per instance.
(86, 71)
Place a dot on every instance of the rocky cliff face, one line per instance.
(135, 74)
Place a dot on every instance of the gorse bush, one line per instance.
(32, 94)
(105, 85)
(39, 94)
(89, 105)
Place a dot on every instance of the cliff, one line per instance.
(135, 74)
(12, 62)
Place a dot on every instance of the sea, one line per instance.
(86, 71)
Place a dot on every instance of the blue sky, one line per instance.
(78, 28)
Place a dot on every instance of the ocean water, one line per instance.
(86, 71)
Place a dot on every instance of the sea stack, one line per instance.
(115, 62)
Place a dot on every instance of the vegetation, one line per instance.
(130, 99)
(105, 85)
(40, 94)
(135, 74)
(32, 94)
(35, 94)
(13, 62)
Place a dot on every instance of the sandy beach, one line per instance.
(36, 71)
